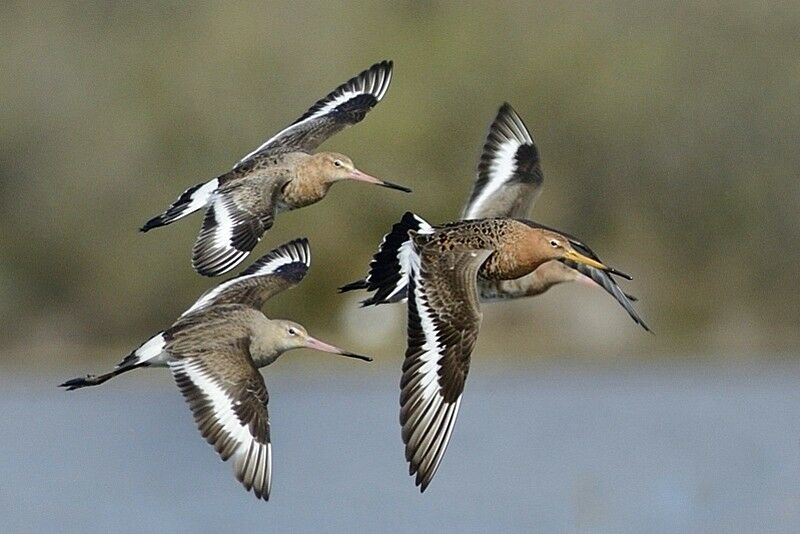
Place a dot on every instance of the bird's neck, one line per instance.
(307, 187)
(263, 353)
(540, 280)
(264, 345)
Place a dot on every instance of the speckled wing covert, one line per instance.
(276, 271)
(346, 105)
(228, 399)
(443, 323)
(509, 173)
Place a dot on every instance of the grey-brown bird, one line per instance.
(440, 269)
(214, 351)
(282, 174)
(509, 180)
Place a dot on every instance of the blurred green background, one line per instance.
(669, 136)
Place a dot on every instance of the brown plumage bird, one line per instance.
(282, 174)
(440, 269)
(214, 351)
(509, 180)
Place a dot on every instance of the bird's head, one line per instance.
(335, 167)
(291, 335)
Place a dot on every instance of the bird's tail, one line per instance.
(387, 278)
(96, 380)
(191, 200)
(151, 352)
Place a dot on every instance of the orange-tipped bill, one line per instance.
(359, 176)
(316, 344)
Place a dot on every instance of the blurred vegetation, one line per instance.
(669, 135)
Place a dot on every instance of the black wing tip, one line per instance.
(218, 262)
(212, 271)
(155, 222)
(369, 302)
(410, 218)
(298, 250)
(258, 493)
(354, 286)
(384, 64)
(261, 495)
(506, 109)
(384, 68)
(510, 122)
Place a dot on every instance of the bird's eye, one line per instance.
(337, 163)
(554, 243)
(292, 332)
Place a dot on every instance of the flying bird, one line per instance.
(214, 351)
(440, 269)
(282, 174)
(509, 180)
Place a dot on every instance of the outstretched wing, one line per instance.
(237, 216)
(443, 323)
(280, 269)
(228, 398)
(509, 174)
(346, 105)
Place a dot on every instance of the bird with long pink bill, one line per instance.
(282, 174)
(214, 350)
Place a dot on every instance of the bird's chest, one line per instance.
(505, 265)
(264, 359)
(300, 193)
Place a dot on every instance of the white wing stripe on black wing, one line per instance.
(431, 464)
(430, 419)
(252, 459)
(226, 238)
(509, 156)
(373, 81)
(501, 168)
(297, 251)
(501, 148)
(223, 236)
(222, 404)
(394, 260)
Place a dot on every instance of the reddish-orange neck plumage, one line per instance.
(519, 251)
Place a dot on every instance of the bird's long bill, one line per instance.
(577, 257)
(316, 344)
(359, 176)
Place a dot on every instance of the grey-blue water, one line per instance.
(542, 449)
